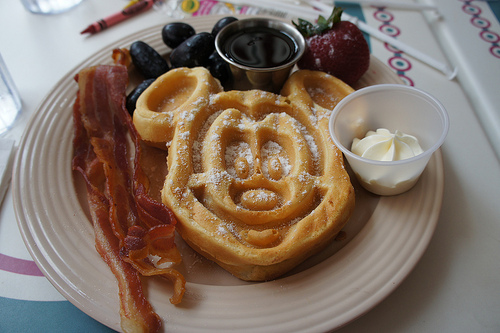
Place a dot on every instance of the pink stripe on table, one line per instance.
(19, 266)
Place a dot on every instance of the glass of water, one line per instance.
(49, 6)
(10, 103)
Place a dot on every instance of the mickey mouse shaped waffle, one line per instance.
(253, 177)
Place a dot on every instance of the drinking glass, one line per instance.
(10, 103)
(49, 6)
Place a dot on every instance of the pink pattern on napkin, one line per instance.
(19, 266)
(398, 62)
(484, 25)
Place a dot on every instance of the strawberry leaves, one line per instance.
(308, 29)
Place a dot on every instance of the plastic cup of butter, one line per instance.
(393, 107)
(260, 52)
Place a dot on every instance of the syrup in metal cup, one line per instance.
(261, 52)
(395, 107)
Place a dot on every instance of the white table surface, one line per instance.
(455, 287)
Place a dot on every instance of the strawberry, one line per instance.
(335, 47)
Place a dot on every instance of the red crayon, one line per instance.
(116, 18)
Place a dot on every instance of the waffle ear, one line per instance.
(323, 91)
(158, 108)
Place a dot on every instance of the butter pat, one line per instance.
(382, 145)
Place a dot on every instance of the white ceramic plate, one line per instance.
(385, 237)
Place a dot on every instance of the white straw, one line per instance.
(295, 10)
(392, 4)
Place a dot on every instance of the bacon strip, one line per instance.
(122, 57)
(129, 225)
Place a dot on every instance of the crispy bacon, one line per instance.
(129, 225)
(122, 57)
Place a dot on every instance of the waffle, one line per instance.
(253, 177)
(178, 91)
